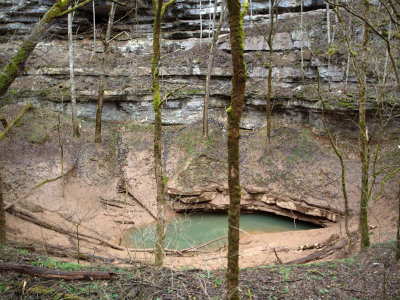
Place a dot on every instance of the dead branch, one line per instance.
(57, 274)
(56, 178)
(125, 222)
(16, 120)
(28, 216)
(320, 254)
(206, 244)
(277, 257)
(111, 202)
(123, 189)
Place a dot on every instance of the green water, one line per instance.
(192, 230)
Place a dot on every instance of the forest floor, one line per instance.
(373, 274)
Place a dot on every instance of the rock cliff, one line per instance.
(184, 60)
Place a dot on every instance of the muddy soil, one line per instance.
(89, 199)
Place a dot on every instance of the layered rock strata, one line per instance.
(184, 59)
(254, 199)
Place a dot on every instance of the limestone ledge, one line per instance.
(215, 198)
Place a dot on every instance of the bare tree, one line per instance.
(360, 69)
(75, 125)
(234, 115)
(270, 42)
(302, 41)
(159, 9)
(103, 63)
(17, 65)
(363, 137)
(210, 64)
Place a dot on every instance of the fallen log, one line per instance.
(57, 274)
(320, 254)
(28, 216)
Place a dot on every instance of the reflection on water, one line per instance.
(192, 230)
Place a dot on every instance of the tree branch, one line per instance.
(165, 6)
(15, 121)
(66, 12)
(171, 92)
(376, 32)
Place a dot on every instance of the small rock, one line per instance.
(375, 264)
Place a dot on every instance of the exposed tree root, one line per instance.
(57, 274)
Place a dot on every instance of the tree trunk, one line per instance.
(209, 67)
(17, 64)
(2, 214)
(75, 125)
(234, 116)
(103, 62)
(269, 80)
(201, 23)
(328, 23)
(302, 42)
(159, 9)
(339, 155)
(398, 232)
(363, 137)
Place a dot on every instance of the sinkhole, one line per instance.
(189, 230)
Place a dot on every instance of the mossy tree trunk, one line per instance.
(159, 8)
(360, 70)
(17, 65)
(2, 214)
(210, 64)
(363, 137)
(234, 116)
(103, 64)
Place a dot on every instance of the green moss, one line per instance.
(41, 290)
(333, 50)
(54, 264)
(229, 110)
(346, 103)
(192, 92)
(165, 180)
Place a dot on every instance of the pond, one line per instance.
(192, 230)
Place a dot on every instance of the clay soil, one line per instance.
(31, 154)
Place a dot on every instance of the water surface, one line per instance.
(192, 230)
